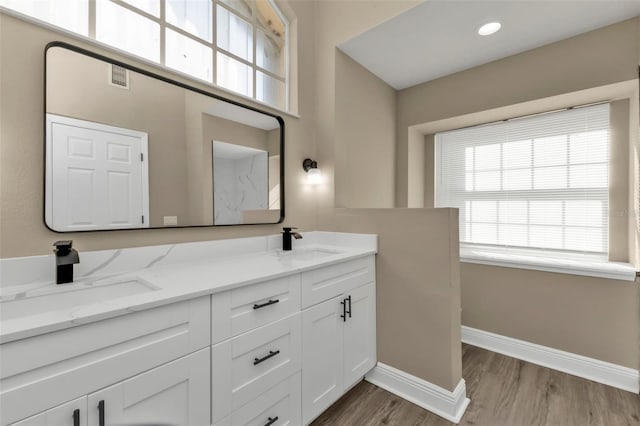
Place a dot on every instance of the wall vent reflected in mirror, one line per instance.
(155, 155)
(119, 76)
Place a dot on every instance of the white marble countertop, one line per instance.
(165, 282)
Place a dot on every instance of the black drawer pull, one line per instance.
(344, 310)
(101, 412)
(257, 361)
(76, 417)
(271, 421)
(270, 302)
(349, 311)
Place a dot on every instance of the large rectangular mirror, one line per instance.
(127, 149)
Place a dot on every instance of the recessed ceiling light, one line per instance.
(490, 28)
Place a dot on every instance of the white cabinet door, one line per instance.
(322, 346)
(73, 413)
(360, 334)
(176, 393)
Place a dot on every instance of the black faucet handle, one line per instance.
(63, 247)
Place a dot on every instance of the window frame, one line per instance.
(254, 64)
(163, 25)
(213, 44)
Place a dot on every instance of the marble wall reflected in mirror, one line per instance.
(128, 149)
(245, 184)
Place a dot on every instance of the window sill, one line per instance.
(610, 270)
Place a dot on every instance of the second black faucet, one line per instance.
(286, 237)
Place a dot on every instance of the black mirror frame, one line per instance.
(175, 83)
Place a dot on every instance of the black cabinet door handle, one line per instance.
(76, 417)
(101, 412)
(344, 310)
(349, 311)
(270, 302)
(257, 361)
(271, 421)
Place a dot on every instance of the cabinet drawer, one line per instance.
(44, 371)
(279, 405)
(325, 283)
(246, 366)
(237, 311)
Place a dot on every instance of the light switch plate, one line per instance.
(170, 220)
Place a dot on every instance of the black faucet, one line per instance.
(286, 238)
(66, 257)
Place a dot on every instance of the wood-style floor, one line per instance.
(504, 392)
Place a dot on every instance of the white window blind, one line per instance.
(539, 182)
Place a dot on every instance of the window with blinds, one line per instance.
(538, 182)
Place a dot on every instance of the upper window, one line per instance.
(539, 182)
(241, 45)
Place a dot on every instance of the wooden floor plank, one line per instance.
(504, 392)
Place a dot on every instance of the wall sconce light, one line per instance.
(310, 166)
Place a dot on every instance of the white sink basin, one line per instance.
(306, 254)
(67, 296)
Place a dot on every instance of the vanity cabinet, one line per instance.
(273, 363)
(175, 393)
(274, 352)
(339, 341)
(49, 370)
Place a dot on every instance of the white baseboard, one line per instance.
(447, 404)
(588, 368)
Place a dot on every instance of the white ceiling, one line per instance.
(439, 37)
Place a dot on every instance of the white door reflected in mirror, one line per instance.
(99, 176)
